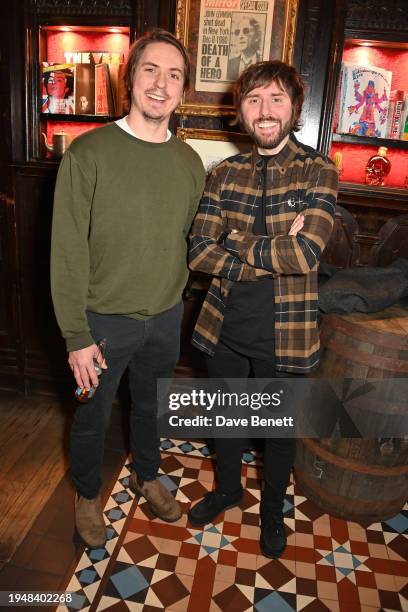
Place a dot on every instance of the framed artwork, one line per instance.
(222, 38)
(214, 146)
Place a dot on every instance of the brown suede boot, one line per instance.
(161, 501)
(89, 521)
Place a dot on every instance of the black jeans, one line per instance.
(279, 453)
(150, 349)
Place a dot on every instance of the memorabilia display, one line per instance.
(83, 89)
(58, 82)
(395, 114)
(364, 99)
(223, 38)
(378, 167)
(103, 91)
(231, 40)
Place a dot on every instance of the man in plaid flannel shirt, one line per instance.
(263, 223)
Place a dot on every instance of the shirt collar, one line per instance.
(282, 160)
(122, 123)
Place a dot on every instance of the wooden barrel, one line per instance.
(365, 480)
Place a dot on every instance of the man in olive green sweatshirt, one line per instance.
(125, 197)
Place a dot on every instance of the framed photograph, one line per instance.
(223, 38)
(214, 146)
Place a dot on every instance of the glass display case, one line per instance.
(367, 78)
(79, 82)
(371, 109)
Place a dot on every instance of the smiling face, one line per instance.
(157, 84)
(267, 116)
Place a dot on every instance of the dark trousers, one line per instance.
(279, 453)
(149, 349)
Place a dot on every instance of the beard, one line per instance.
(153, 118)
(269, 142)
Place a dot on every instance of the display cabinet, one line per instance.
(370, 49)
(76, 82)
(369, 112)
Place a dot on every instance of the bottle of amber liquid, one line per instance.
(82, 394)
(378, 167)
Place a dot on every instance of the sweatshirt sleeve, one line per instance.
(196, 197)
(70, 252)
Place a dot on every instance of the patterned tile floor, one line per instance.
(329, 564)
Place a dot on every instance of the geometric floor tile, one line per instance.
(329, 564)
(345, 563)
(275, 602)
(398, 524)
(128, 580)
(211, 540)
(232, 598)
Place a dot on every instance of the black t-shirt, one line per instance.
(249, 321)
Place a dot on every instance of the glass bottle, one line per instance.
(82, 394)
(338, 162)
(378, 167)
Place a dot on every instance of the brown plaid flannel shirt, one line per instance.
(299, 180)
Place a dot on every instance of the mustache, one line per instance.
(269, 118)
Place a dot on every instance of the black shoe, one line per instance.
(273, 536)
(211, 506)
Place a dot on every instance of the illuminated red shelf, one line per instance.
(374, 142)
(78, 118)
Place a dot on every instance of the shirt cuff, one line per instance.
(237, 243)
(79, 341)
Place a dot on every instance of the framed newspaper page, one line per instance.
(222, 38)
(214, 146)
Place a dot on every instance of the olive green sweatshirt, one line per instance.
(122, 211)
